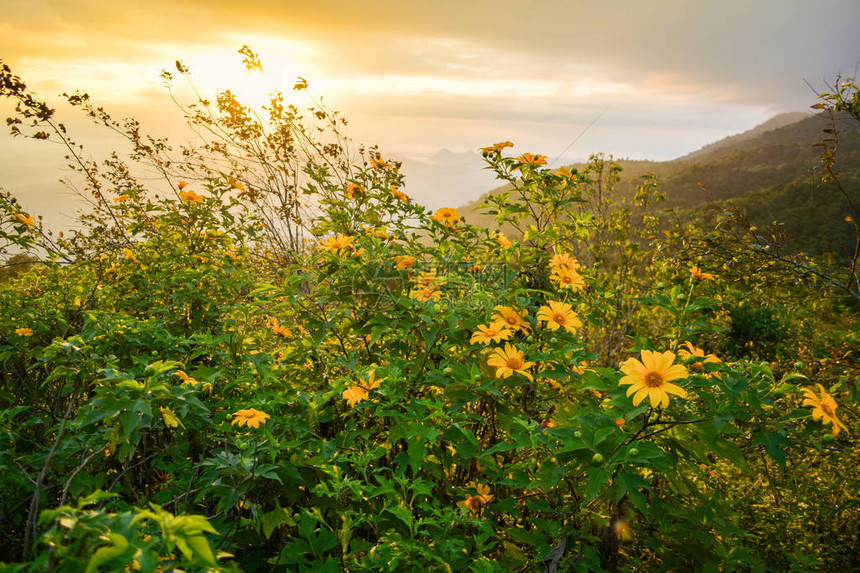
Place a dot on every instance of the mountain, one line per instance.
(771, 172)
(775, 122)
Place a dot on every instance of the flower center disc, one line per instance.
(653, 380)
(558, 318)
(514, 363)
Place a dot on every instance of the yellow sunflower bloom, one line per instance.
(580, 367)
(568, 279)
(353, 189)
(697, 273)
(651, 376)
(279, 329)
(426, 279)
(476, 503)
(510, 316)
(529, 159)
(563, 261)
(446, 215)
(823, 408)
(29, 221)
(250, 417)
(690, 352)
(24, 331)
(496, 147)
(355, 394)
(400, 195)
(502, 240)
(337, 243)
(424, 294)
(496, 332)
(508, 361)
(190, 197)
(404, 262)
(186, 379)
(183, 185)
(170, 419)
(378, 232)
(377, 162)
(559, 315)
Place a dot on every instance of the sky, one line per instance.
(644, 79)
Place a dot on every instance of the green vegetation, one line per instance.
(271, 359)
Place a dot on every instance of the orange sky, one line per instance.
(668, 76)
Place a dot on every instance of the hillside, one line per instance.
(769, 172)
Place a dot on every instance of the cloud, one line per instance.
(487, 65)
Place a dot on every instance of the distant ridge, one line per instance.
(777, 121)
(771, 172)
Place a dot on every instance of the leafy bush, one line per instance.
(400, 391)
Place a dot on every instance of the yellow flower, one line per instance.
(353, 189)
(425, 294)
(510, 316)
(502, 240)
(186, 379)
(377, 162)
(476, 503)
(183, 185)
(337, 243)
(496, 147)
(508, 361)
(446, 215)
(250, 417)
(690, 352)
(563, 261)
(170, 419)
(823, 408)
(579, 368)
(404, 262)
(651, 377)
(529, 159)
(696, 273)
(236, 184)
(379, 232)
(123, 199)
(355, 394)
(190, 197)
(496, 332)
(29, 221)
(568, 279)
(559, 315)
(279, 329)
(129, 254)
(401, 196)
(426, 279)
(24, 331)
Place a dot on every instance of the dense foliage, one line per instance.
(280, 362)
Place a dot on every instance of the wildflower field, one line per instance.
(263, 355)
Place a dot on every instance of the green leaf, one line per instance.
(119, 545)
(596, 478)
(773, 444)
(601, 434)
(274, 519)
(200, 545)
